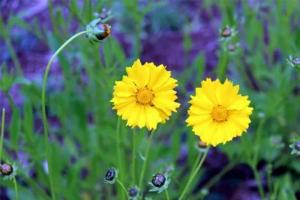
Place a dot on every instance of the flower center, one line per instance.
(144, 96)
(219, 113)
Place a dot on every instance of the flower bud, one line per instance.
(6, 169)
(226, 32)
(297, 145)
(295, 148)
(294, 61)
(159, 182)
(111, 175)
(201, 146)
(133, 193)
(97, 30)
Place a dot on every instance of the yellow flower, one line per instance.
(218, 113)
(146, 96)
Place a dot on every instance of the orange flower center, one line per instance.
(219, 113)
(144, 96)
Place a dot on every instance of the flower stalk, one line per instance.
(16, 188)
(146, 159)
(2, 132)
(44, 115)
(133, 154)
(193, 174)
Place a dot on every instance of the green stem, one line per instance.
(146, 160)
(269, 178)
(16, 188)
(10, 100)
(118, 146)
(194, 173)
(122, 186)
(2, 132)
(197, 161)
(222, 68)
(45, 122)
(167, 194)
(217, 177)
(133, 155)
(259, 182)
(254, 161)
(118, 143)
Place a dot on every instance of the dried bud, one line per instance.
(105, 31)
(111, 175)
(97, 30)
(6, 169)
(226, 32)
(133, 193)
(201, 146)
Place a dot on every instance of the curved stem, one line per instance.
(16, 188)
(146, 160)
(2, 132)
(167, 194)
(133, 154)
(44, 116)
(122, 186)
(194, 173)
(217, 177)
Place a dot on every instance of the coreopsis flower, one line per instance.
(218, 113)
(145, 96)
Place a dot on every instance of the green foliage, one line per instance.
(82, 131)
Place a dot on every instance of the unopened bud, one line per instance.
(295, 148)
(294, 61)
(133, 193)
(111, 175)
(6, 169)
(226, 32)
(159, 182)
(97, 30)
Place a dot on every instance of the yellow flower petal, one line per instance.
(218, 113)
(145, 96)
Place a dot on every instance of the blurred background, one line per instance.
(254, 43)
